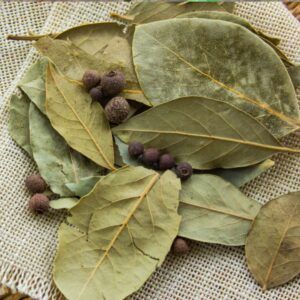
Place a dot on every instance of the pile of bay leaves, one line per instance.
(205, 86)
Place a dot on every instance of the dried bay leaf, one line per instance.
(273, 243)
(33, 83)
(237, 177)
(241, 176)
(215, 211)
(64, 203)
(205, 132)
(125, 228)
(242, 70)
(18, 124)
(294, 72)
(76, 54)
(80, 121)
(225, 16)
(84, 186)
(146, 12)
(56, 161)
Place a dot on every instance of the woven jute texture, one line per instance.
(28, 243)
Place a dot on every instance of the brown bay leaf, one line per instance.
(215, 211)
(273, 243)
(18, 124)
(179, 57)
(58, 164)
(80, 121)
(119, 234)
(205, 132)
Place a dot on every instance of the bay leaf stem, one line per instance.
(29, 37)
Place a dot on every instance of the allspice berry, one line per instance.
(39, 204)
(117, 110)
(135, 149)
(96, 94)
(180, 246)
(35, 184)
(184, 170)
(150, 156)
(90, 79)
(166, 161)
(112, 83)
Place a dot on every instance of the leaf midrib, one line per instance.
(224, 212)
(126, 221)
(214, 137)
(256, 102)
(84, 126)
(265, 285)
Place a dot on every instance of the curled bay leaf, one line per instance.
(80, 121)
(119, 234)
(84, 186)
(215, 211)
(33, 83)
(205, 132)
(18, 125)
(149, 11)
(179, 57)
(64, 203)
(273, 243)
(56, 161)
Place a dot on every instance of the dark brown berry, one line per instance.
(184, 170)
(135, 149)
(112, 83)
(166, 161)
(117, 110)
(96, 94)
(180, 246)
(150, 156)
(39, 204)
(90, 79)
(35, 184)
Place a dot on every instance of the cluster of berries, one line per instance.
(152, 158)
(39, 203)
(105, 89)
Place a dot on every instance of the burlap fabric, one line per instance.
(28, 243)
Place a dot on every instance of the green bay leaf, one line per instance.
(216, 59)
(241, 176)
(58, 164)
(294, 72)
(215, 211)
(149, 11)
(64, 203)
(84, 186)
(33, 83)
(273, 243)
(80, 121)
(205, 132)
(18, 124)
(125, 228)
